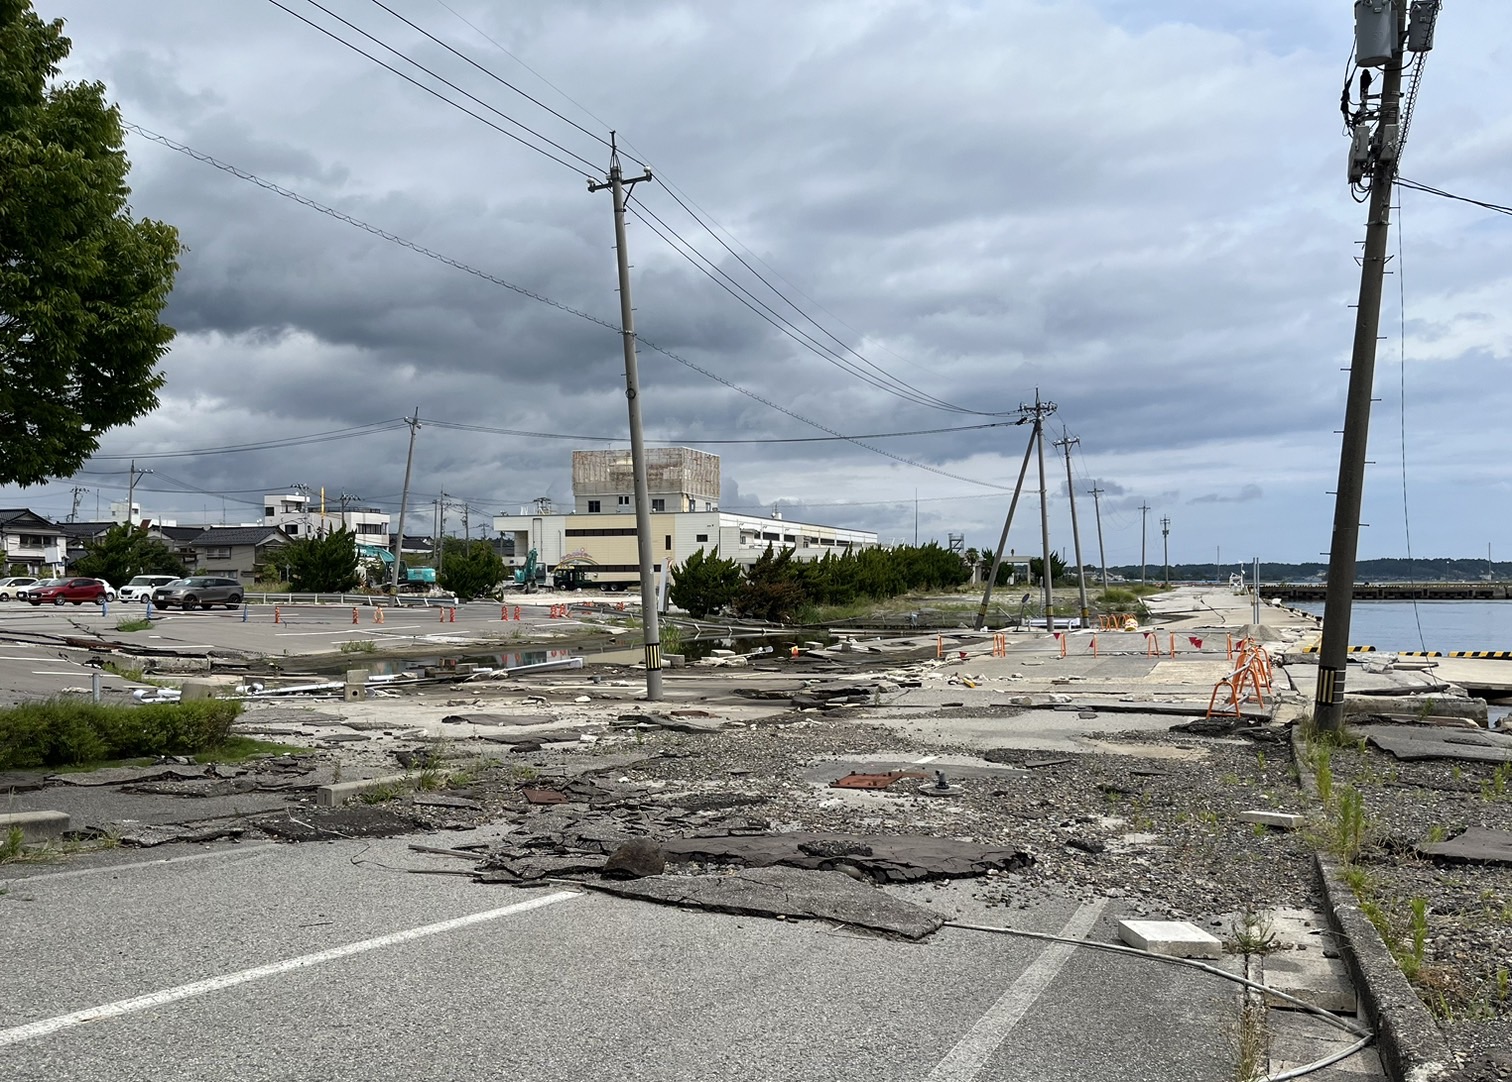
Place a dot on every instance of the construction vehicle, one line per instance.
(415, 580)
(526, 578)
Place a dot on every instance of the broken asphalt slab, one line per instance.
(1477, 845)
(786, 893)
(323, 824)
(882, 858)
(1431, 742)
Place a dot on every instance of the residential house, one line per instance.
(236, 552)
(31, 541)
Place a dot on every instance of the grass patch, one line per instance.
(381, 794)
(239, 749)
(358, 646)
(61, 732)
(138, 623)
(14, 850)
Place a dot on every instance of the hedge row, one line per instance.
(65, 732)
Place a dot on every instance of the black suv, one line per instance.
(204, 592)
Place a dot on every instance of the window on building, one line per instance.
(33, 541)
(658, 505)
(669, 543)
(594, 507)
(268, 511)
(372, 528)
(217, 552)
(624, 501)
(788, 537)
(701, 537)
(769, 536)
(291, 528)
(692, 504)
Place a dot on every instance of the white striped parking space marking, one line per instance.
(926, 759)
(79, 873)
(971, 1052)
(33, 1030)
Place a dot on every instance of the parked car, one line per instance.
(9, 587)
(77, 591)
(23, 591)
(201, 592)
(140, 588)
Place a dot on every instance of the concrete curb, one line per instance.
(36, 826)
(1411, 1045)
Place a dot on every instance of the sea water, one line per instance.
(1427, 625)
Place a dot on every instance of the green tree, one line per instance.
(125, 551)
(81, 283)
(771, 590)
(469, 568)
(704, 584)
(325, 564)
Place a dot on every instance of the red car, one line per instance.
(76, 590)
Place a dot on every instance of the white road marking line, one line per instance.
(348, 630)
(926, 759)
(51, 672)
(33, 1030)
(240, 851)
(971, 1052)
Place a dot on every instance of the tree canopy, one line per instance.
(82, 284)
(325, 564)
(125, 551)
(704, 584)
(469, 568)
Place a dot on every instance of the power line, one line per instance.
(1415, 186)
(485, 276)
(719, 277)
(265, 445)
(434, 92)
(686, 441)
(486, 71)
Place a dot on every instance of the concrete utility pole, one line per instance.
(997, 559)
(1069, 441)
(131, 492)
(409, 461)
(1046, 571)
(1380, 163)
(1102, 553)
(1165, 547)
(1144, 514)
(619, 186)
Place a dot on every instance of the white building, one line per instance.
(300, 515)
(685, 517)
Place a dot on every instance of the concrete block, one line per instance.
(191, 690)
(1279, 820)
(1176, 938)
(338, 793)
(356, 685)
(673, 661)
(36, 826)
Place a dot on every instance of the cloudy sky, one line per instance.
(1136, 208)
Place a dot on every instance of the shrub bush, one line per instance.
(63, 732)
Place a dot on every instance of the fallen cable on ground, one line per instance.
(1365, 1036)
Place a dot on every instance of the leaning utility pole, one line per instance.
(1165, 548)
(1381, 40)
(409, 460)
(1102, 554)
(1144, 513)
(619, 186)
(1068, 441)
(997, 559)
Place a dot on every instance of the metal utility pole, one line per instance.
(409, 461)
(1069, 441)
(1380, 35)
(441, 507)
(131, 492)
(1102, 553)
(1165, 548)
(619, 186)
(997, 559)
(1144, 513)
(73, 515)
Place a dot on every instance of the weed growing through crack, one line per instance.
(1418, 926)
(12, 845)
(1349, 820)
(1495, 787)
(1251, 1038)
(358, 646)
(137, 624)
(1323, 767)
(430, 780)
(1260, 759)
(1253, 933)
(1436, 834)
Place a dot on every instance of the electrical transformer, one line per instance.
(1375, 32)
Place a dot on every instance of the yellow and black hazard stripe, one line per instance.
(1351, 649)
(1501, 655)
(1419, 653)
